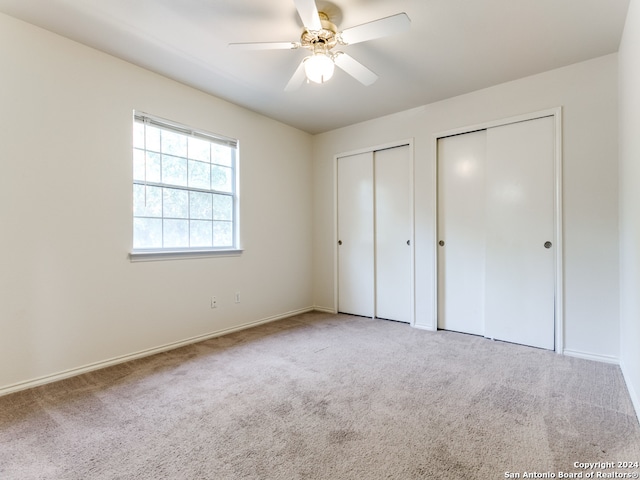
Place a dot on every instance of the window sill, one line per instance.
(158, 255)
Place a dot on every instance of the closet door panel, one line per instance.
(520, 271)
(393, 214)
(355, 235)
(461, 232)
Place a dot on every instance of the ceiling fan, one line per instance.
(320, 36)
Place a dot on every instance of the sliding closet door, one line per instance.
(496, 229)
(461, 232)
(355, 235)
(393, 219)
(520, 272)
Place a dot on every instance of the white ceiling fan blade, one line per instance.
(355, 69)
(297, 79)
(264, 46)
(378, 28)
(308, 14)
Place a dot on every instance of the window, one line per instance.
(184, 189)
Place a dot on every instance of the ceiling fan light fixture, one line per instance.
(319, 67)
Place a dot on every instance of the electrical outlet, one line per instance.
(237, 297)
(214, 302)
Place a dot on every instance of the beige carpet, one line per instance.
(321, 396)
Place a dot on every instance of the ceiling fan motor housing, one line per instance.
(327, 37)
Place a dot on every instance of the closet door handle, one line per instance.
(339, 242)
(408, 242)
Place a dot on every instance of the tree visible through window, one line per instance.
(184, 188)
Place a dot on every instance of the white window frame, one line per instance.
(170, 252)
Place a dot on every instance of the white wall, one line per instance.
(69, 296)
(629, 56)
(588, 94)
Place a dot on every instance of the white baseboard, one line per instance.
(36, 382)
(592, 356)
(633, 393)
(318, 308)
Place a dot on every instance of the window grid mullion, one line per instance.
(212, 235)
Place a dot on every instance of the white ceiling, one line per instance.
(453, 47)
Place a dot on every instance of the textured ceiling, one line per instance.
(453, 47)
